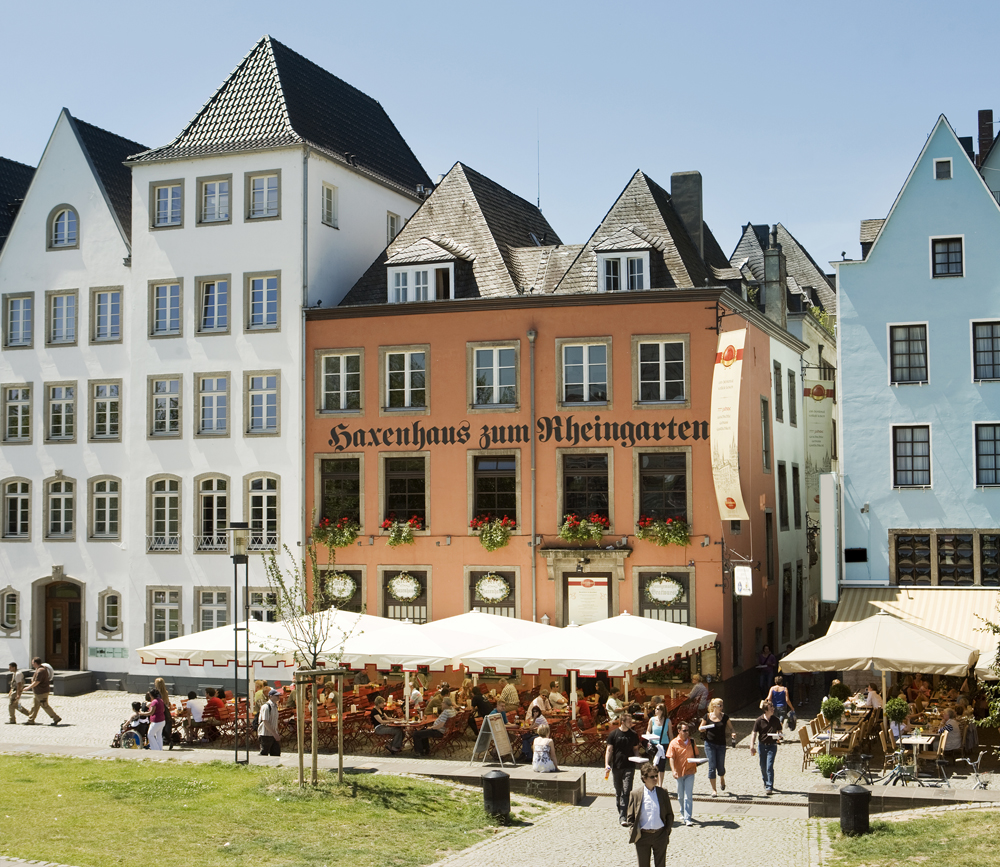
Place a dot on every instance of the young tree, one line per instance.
(991, 688)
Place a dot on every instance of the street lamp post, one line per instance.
(241, 538)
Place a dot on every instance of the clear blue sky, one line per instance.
(806, 113)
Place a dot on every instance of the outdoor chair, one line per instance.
(809, 749)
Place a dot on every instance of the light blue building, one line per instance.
(919, 385)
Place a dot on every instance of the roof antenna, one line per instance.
(538, 161)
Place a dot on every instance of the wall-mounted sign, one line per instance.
(587, 599)
(743, 581)
(819, 438)
(725, 426)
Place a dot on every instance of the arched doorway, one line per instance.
(63, 630)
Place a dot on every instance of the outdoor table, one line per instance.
(920, 741)
(838, 737)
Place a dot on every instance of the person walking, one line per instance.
(661, 730)
(650, 817)
(716, 729)
(766, 665)
(14, 693)
(157, 720)
(623, 744)
(681, 749)
(41, 686)
(766, 735)
(779, 696)
(168, 722)
(267, 725)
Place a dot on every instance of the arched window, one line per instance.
(164, 514)
(60, 508)
(105, 511)
(63, 228)
(17, 509)
(262, 511)
(213, 514)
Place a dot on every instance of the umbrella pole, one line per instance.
(572, 692)
(625, 682)
(406, 695)
(885, 724)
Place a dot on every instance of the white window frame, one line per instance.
(10, 611)
(109, 614)
(405, 283)
(955, 237)
(260, 497)
(212, 607)
(930, 457)
(163, 534)
(495, 368)
(19, 325)
(329, 206)
(65, 318)
(18, 402)
(586, 343)
(209, 400)
(951, 173)
(408, 371)
(972, 333)
(267, 321)
(393, 225)
(171, 322)
(260, 204)
(59, 509)
(106, 304)
(159, 401)
(171, 215)
(262, 402)
(105, 391)
(105, 507)
(211, 217)
(661, 363)
(22, 502)
(168, 600)
(625, 281)
(927, 352)
(209, 291)
(70, 237)
(212, 516)
(340, 379)
(262, 605)
(68, 415)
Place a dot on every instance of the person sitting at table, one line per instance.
(874, 699)
(214, 708)
(698, 697)
(901, 729)
(951, 731)
(541, 701)
(416, 698)
(528, 737)
(556, 698)
(613, 705)
(421, 747)
(361, 678)
(437, 701)
(464, 694)
(480, 706)
(500, 709)
(543, 752)
(380, 726)
(918, 689)
(192, 716)
(583, 710)
(508, 692)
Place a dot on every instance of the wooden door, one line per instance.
(57, 633)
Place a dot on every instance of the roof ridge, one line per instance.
(18, 163)
(325, 71)
(281, 88)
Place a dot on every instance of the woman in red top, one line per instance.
(157, 719)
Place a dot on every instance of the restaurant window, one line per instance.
(496, 486)
(945, 558)
(406, 489)
(404, 595)
(954, 559)
(493, 592)
(913, 559)
(797, 496)
(341, 382)
(405, 380)
(661, 371)
(496, 376)
(340, 482)
(657, 585)
(585, 485)
(585, 373)
(782, 496)
(786, 603)
(263, 605)
(989, 559)
(354, 603)
(663, 485)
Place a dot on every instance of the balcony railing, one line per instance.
(261, 541)
(217, 542)
(163, 543)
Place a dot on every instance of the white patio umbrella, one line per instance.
(215, 646)
(647, 641)
(475, 630)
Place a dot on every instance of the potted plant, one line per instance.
(833, 710)
(401, 532)
(896, 709)
(579, 530)
(828, 765)
(663, 532)
(339, 533)
(840, 690)
(494, 533)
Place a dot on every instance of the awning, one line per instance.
(950, 611)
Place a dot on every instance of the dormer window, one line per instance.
(619, 272)
(63, 228)
(421, 283)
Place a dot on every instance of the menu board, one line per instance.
(587, 598)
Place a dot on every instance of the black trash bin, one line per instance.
(496, 794)
(854, 803)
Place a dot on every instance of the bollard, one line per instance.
(496, 794)
(854, 803)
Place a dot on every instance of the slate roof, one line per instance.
(277, 98)
(869, 229)
(14, 180)
(108, 153)
(482, 223)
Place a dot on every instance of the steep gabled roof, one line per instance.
(477, 221)
(14, 181)
(277, 98)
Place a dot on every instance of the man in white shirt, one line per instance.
(650, 819)
(195, 712)
(614, 704)
(541, 701)
(556, 698)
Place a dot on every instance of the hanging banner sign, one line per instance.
(819, 438)
(724, 424)
(743, 581)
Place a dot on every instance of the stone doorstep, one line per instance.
(72, 682)
(824, 800)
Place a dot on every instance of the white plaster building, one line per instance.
(152, 369)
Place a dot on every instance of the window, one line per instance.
(213, 410)
(911, 451)
(678, 611)
(786, 602)
(353, 603)
(406, 488)
(17, 313)
(908, 352)
(612, 275)
(495, 480)
(987, 450)
(779, 402)
(165, 614)
(262, 301)
(496, 376)
(585, 373)
(406, 380)
(263, 606)
(585, 485)
(61, 310)
(340, 483)
(944, 558)
(17, 414)
(61, 411)
(213, 305)
(262, 403)
(765, 431)
(109, 617)
(212, 519)
(421, 283)
(214, 199)
(942, 170)
(986, 344)
(947, 261)
(769, 552)
(106, 315)
(782, 496)
(663, 485)
(10, 610)
(17, 509)
(59, 504)
(263, 512)
(793, 400)
(263, 194)
(619, 272)
(341, 382)
(504, 608)
(213, 608)
(164, 515)
(105, 504)
(414, 610)
(165, 406)
(392, 227)
(797, 496)
(63, 228)
(167, 204)
(330, 205)
(165, 309)
(105, 405)
(661, 371)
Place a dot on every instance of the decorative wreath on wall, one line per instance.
(492, 588)
(341, 586)
(663, 590)
(404, 587)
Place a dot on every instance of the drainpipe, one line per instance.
(304, 361)
(532, 334)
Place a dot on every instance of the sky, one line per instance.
(807, 113)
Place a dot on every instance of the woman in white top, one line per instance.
(874, 699)
(543, 752)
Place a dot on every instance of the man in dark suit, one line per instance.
(650, 818)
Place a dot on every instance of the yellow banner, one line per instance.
(724, 426)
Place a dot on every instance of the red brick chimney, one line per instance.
(985, 134)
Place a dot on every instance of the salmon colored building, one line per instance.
(482, 368)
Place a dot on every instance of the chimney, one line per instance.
(985, 133)
(775, 300)
(685, 194)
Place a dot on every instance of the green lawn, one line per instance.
(92, 813)
(964, 837)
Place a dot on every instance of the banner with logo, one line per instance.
(587, 598)
(724, 426)
(818, 408)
